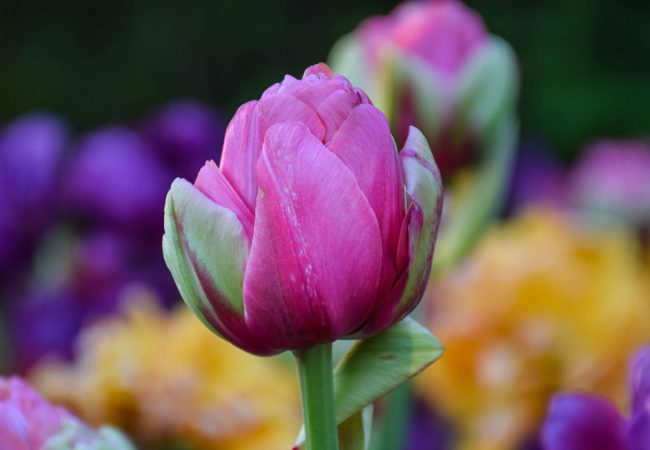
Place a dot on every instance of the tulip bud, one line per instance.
(612, 182)
(27, 421)
(312, 228)
(434, 65)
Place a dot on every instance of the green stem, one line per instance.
(395, 420)
(317, 389)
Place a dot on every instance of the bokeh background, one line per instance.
(584, 64)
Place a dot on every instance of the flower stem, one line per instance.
(395, 420)
(317, 389)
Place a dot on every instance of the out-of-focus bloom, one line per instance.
(185, 134)
(312, 228)
(612, 182)
(585, 422)
(116, 180)
(427, 430)
(539, 306)
(30, 152)
(433, 65)
(537, 179)
(43, 324)
(28, 422)
(160, 377)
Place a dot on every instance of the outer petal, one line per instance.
(639, 426)
(418, 234)
(366, 147)
(241, 147)
(315, 259)
(640, 379)
(583, 422)
(211, 182)
(206, 248)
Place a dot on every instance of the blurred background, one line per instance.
(103, 104)
(584, 64)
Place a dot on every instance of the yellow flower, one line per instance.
(541, 305)
(164, 376)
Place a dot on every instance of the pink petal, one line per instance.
(282, 107)
(241, 147)
(313, 269)
(335, 109)
(417, 236)
(320, 69)
(366, 147)
(212, 183)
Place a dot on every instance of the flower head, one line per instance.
(612, 182)
(303, 233)
(577, 421)
(29, 422)
(433, 64)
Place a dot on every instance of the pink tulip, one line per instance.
(611, 182)
(434, 65)
(26, 419)
(312, 228)
(443, 34)
(29, 422)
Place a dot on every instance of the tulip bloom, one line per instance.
(28, 422)
(433, 64)
(612, 182)
(312, 228)
(584, 422)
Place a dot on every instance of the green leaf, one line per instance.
(372, 368)
(354, 433)
(375, 366)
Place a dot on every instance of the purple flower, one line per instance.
(536, 178)
(116, 180)
(42, 324)
(30, 153)
(586, 422)
(185, 134)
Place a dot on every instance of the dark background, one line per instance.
(585, 63)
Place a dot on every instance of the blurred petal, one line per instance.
(365, 146)
(206, 248)
(211, 182)
(583, 422)
(639, 380)
(639, 426)
(314, 262)
(241, 148)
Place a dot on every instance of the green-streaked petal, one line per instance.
(206, 250)
(488, 86)
(424, 188)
